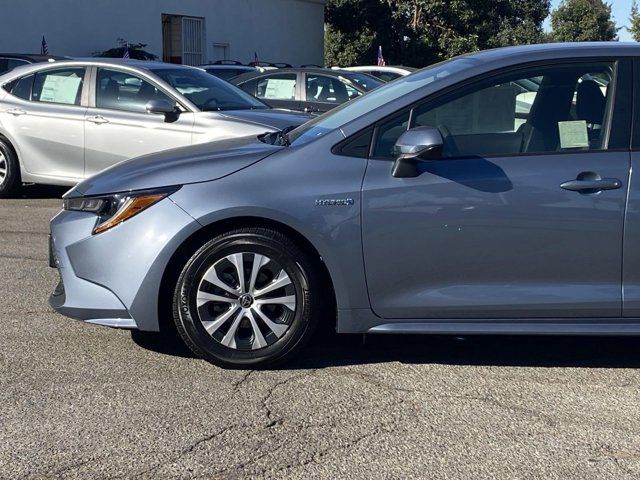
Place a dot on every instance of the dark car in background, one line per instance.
(315, 90)
(227, 69)
(9, 61)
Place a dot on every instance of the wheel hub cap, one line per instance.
(246, 301)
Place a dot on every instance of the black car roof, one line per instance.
(324, 71)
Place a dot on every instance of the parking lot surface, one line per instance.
(81, 401)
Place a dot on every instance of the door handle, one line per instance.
(16, 111)
(590, 182)
(98, 120)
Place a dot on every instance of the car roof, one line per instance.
(378, 67)
(144, 64)
(225, 66)
(33, 57)
(136, 64)
(312, 70)
(558, 49)
(551, 49)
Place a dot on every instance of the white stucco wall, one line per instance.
(278, 30)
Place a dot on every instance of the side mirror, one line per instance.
(415, 145)
(161, 107)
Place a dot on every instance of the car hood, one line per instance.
(193, 164)
(271, 118)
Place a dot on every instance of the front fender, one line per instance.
(260, 191)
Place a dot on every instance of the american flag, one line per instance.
(126, 52)
(44, 48)
(381, 62)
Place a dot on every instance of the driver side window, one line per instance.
(541, 110)
(118, 90)
(321, 88)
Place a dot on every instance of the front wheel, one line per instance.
(9, 170)
(248, 298)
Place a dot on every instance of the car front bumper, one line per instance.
(114, 278)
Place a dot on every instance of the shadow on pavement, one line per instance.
(39, 192)
(518, 351)
(166, 344)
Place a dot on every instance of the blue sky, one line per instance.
(620, 10)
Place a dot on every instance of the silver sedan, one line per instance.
(65, 121)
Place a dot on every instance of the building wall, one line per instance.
(278, 30)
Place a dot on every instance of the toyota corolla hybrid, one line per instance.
(62, 122)
(492, 193)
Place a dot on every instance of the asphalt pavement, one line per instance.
(82, 401)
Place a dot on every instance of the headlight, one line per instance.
(114, 209)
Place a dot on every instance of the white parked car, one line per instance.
(383, 73)
(65, 121)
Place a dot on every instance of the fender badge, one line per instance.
(329, 202)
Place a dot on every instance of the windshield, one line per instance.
(364, 81)
(387, 93)
(207, 92)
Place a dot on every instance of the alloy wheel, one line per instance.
(246, 301)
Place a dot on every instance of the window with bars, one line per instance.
(192, 41)
(183, 39)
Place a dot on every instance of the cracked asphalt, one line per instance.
(81, 401)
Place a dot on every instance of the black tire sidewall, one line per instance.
(11, 180)
(185, 310)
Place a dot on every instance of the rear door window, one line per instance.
(62, 86)
(277, 87)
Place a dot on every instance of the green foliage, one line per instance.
(136, 51)
(341, 48)
(420, 32)
(583, 21)
(634, 22)
(355, 28)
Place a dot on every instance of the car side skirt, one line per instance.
(520, 326)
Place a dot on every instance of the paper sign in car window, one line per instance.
(573, 134)
(280, 88)
(60, 89)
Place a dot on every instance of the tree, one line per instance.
(634, 21)
(136, 51)
(355, 28)
(460, 26)
(583, 21)
(420, 32)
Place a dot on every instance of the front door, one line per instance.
(323, 93)
(523, 215)
(119, 126)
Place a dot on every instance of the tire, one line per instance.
(9, 170)
(264, 322)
